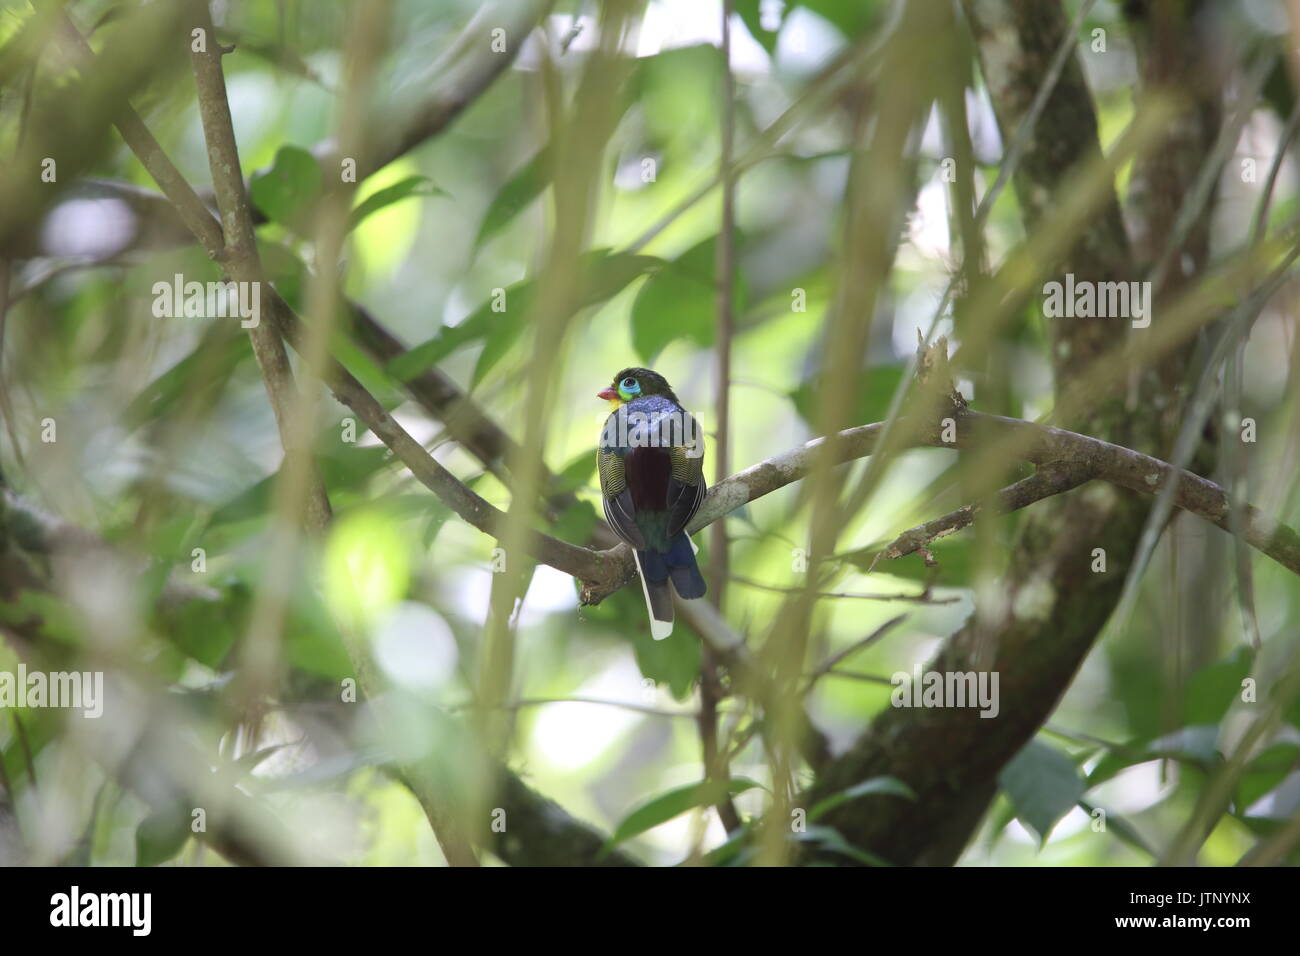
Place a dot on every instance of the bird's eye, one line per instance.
(629, 383)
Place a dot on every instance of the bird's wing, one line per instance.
(612, 477)
(686, 488)
(619, 512)
(617, 498)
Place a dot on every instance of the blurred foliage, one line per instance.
(166, 444)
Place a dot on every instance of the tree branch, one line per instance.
(462, 77)
(201, 223)
(1069, 458)
(1052, 479)
(1057, 452)
(239, 258)
(1054, 605)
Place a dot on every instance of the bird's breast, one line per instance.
(647, 471)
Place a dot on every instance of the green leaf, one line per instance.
(280, 263)
(954, 555)
(679, 301)
(751, 13)
(206, 630)
(217, 355)
(674, 661)
(605, 275)
(873, 398)
(1043, 784)
(1000, 817)
(831, 839)
(1273, 765)
(1212, 689)
(1194, 745)
(1122, 829)
(436, 517)
(496, 346)
(312, 641)
(851, 17)
(288, 189)
(735, 851)
(51, 613)
(601, 276)
(251, 761)
(343, 466)
(891, 786)
(1198, 745)
(576, 473)
(577, 522)
(402, 189)
(676, 92)
(1116, 760)
(514, 197)
(160, 836)
(664, 807)
(534, 176)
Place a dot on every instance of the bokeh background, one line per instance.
(166, 442)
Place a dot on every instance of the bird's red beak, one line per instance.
(608, 394)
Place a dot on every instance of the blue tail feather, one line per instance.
(683, 569)
(678, 564)
(653, 566)
(689, 582)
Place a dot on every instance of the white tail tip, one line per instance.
(660, 629)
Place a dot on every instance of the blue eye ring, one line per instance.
(628, 388)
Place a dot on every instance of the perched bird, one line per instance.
(652, 482)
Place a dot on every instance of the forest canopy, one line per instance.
(334, 529)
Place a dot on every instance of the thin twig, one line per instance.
(601, 701)
(1193, 204)
(835, 660)
(1260, 224)
(1053, 478)
(1024, 134)
(1235, 459)
(921, 598)
(855, 675)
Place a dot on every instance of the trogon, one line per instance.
(651, 463)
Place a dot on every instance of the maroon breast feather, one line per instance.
(647, 471)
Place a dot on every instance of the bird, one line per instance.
(651, 465)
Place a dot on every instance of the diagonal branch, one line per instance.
(1067, 454)
(239, 258)
(462, 78)
(240, 262)
(1051, 479)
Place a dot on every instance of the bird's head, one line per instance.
(636, 383)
